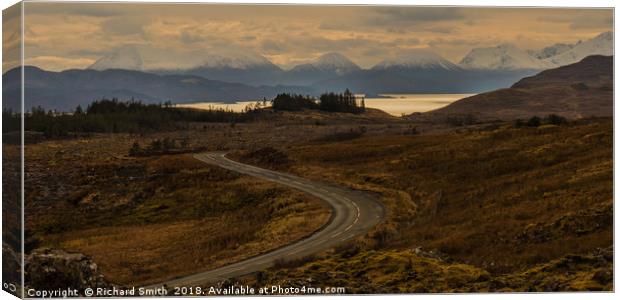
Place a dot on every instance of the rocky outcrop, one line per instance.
(57, 269)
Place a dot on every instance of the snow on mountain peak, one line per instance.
(236, 59)
(331, 62)
(336, 62)
(550, 51)
(502, 57)
(607, 36)
(602, 44)
(417, 58)
(126, 57)
(140, 58)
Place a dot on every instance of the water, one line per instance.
(394, 104)
(238, 106)
(399, 104)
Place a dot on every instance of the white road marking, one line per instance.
(358, 209)
(330, 195)
(296, 251)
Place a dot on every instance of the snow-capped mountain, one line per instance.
(511, 57)
(551, 50)
(332, 62)
(329, 65)
(502, 57)
(602, 44)
(126, 57)
(232, 65)
(416, 70)
(142, 58)
(235, 59)
(416, 59)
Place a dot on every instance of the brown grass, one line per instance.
(149, 219)
(494, 202)
(502, 199)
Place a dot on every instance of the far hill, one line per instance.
(579, 90)
(65, 90)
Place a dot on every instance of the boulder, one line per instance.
(57, 269)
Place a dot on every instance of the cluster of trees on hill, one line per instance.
(332, 102)
(535, 121)
(293, 102)
(117, 116)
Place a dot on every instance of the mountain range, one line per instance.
(218, 64)
(241, 74)
(65, 90)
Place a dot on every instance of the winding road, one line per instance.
(353, 213)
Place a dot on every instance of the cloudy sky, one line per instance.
(74, 35)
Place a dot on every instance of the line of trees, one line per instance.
(536, 121)
(332, 102)
(345, 102)
(112, 115)
(293, 102)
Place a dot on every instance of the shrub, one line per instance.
(267, 156)
(156, 145)
(342, 136)
(282, 263)
(135, 149)
(461, 120)
(556, 120)
(412, 130)
(533, 122)
(348, 250)
(519, 123)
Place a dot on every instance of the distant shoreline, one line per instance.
(393, 104)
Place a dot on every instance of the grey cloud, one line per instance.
(395, 30)
(374, 52)
(587, 23)
(411, 15)
(248, 38)
(273, 47)
(455, 42)
(441, 29)
(409, 42)
(323, 44)
(123, 26)
(81, 9)
(470, 22)
(87, 52)
(189, 37)
(335, 25)
(592, 19)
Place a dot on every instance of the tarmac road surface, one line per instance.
(353, 213)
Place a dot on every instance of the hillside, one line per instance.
(580, 90)
(496, 209)
(318, 117)
(125, 211)
(65, 90)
